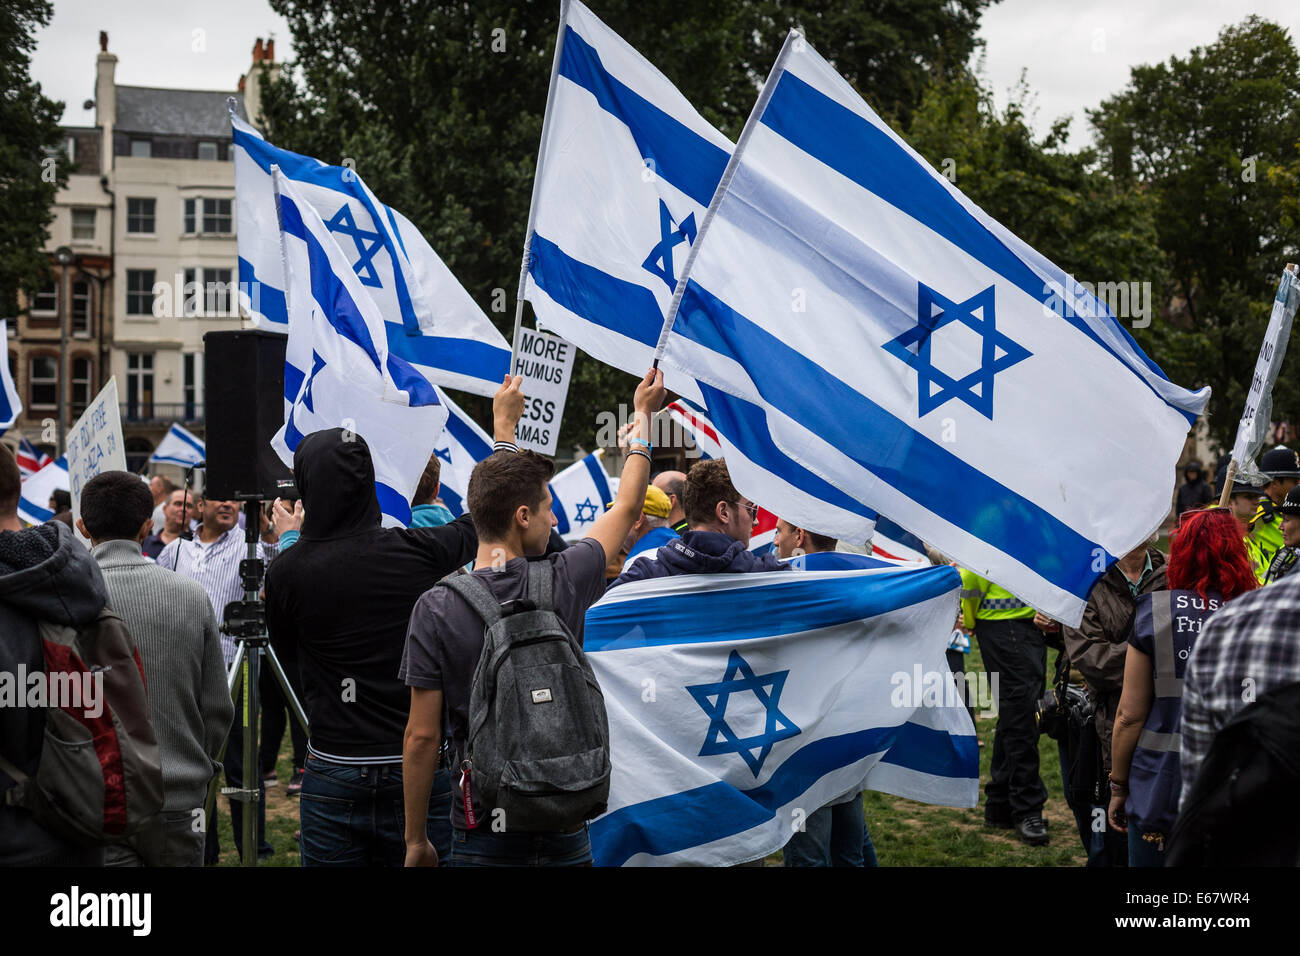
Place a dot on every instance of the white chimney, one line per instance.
(105, 103)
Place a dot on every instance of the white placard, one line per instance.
(546, 363)
(94, 445)
(1255, 418)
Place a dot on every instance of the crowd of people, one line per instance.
(405, 645)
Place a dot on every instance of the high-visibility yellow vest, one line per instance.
(1266, 532)
(982, 600)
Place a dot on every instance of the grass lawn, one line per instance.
(905, 833)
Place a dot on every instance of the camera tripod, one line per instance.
(245, 621)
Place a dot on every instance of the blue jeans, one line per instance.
(482, 847)
(356, 816)
(833, 836)
(1143, 852)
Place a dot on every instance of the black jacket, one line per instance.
(699, 552)
(339, 600)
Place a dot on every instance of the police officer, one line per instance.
(1284, 561)
(1016, 651)
(1282, 466)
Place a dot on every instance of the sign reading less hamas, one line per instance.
(546, 364)
(94, 445)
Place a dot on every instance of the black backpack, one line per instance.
(537, 745)
(1241, 809)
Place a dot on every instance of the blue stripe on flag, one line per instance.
(468, 438)
(463, 356)
(733, 416)
(888, 448)
(678, 154)
(293, 378)
(612, 303)
(189, 440)
(393, 503)
(412, 382)
(860, 151)
(696, 817)
(268, 300)
(796, 604)
(599, 479)
(452, 501)
(562, 519)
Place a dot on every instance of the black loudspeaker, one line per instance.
(244, 397)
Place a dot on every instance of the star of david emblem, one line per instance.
(444, 453)
(739, 678)
(367, 242)
(586, 511)
(317, 363)
(660, 260)
(997, 353)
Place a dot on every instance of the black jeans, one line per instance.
(1016, 652)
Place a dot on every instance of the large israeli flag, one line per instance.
(460, 447)
(11, 405)
(579, 495)
(625, 172)
(821, 684)
(430, 320)
(939, 370)
(353, 381)
(34, 498)
(179, 447)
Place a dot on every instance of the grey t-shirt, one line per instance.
(445, 637)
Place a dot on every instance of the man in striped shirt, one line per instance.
(212, 559)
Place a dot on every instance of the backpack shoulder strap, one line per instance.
(541, 584)
(476, 594)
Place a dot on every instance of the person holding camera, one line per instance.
(1207, 567)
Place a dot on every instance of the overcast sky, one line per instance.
(1076, 52)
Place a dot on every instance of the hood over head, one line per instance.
(45, 572)
(336, 478)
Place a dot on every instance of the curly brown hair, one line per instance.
(707, 483)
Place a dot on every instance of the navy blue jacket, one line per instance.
(699, 552)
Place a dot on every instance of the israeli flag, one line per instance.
(34, 498)
(352, 381)
(179, 447)
(11, 405)
(941, 371)
(431, 321)
(460, 447)
(579, 495)
(805, 697)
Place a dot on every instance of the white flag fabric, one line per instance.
(943, 372)
(805, 697)
(579, 495)
(11, 405)
(460, 447)
(179, 447)
(34, 498)
(352, 380)
(431, 321)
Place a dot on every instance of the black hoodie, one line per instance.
(339, 601)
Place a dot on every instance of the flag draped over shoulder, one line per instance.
(720, 737)
(351, 379)
(579, 495)
(941, 371)
(626, 170)
(430, 320)
(460, 447)
(11, 405)
(34, 498)
(179, 447)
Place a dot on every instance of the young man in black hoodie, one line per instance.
(721, 522)
(337, 606)
(45, 575)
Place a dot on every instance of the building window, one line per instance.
(139, 291)
(82, 384)
(192, 384)
(209, 293)
(81, 308)
(141, 148)
(207, 150)
(46, 300)
(140, 215)
(43, 381)
(83, 224)
(139, 385)
(208, 215)
(71, 147)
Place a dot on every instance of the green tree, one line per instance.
(29, 175)
(440, 104)
(1212, 138)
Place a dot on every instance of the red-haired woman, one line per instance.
(1207, 567)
